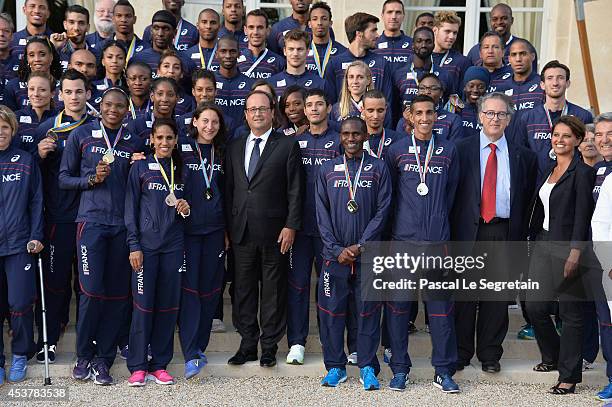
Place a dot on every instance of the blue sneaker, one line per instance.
(526, 332)
(123, 352)
(81, 370)
(445, 383)
(387, 355)
(368, 378)
(19, 368)
(193, 368)
(203, 358)
(606, 394)
(334, 377)
(2, 376)
(398, 383)
(101, 375)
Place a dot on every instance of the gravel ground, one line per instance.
(274, 391)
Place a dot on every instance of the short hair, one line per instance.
(434, 77)
(125, 3)
(499, 96)
(492, 34)
(575, 124)
(526, 43)
(297, 35)
(363, 127)
(261, 92)
(392, 1)
(209, 10)
(425, 14)
(116, 89)
(72, 74)
(555, 64)
(9, 20)
(446, 16)
(8, 116)
(163, 79)
(134, 63)
(358, 22)
(263, 82)
(421, 99)
(75, 8)
(322, 5)
(203, 74)
(424, 28)
(603, 117)
(258, 13)
(504, 6)
(373, 94)
(229, 38)
(46, 1)
(590, 127)
(168, 53)
(316, 92)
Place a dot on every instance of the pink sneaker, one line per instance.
(137, 378)
(160, 377)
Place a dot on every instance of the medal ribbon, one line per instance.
(130, 52)
(380, 146)
(563, 113)
(444, 58)
(317, 58)
(414, 75)
(207, 178)
(430, 147)
(261, 57)
(106, 139)
(163, 172)
(203, 62)
(177, 37)
(58, 127)
(347, 176)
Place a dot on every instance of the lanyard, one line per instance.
(380, 146)
(58, 127)
(130, 52)
(163, 172)
(430, 147)
(261, 57)
(414, 75)
(563, 113)
(106, 139)
(317, 58)
(93, 111)
(444, 58)
(178, 33)
(203, 63)
(352, 187)
(207, 178)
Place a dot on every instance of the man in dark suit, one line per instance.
(263, 193)
(492, 204)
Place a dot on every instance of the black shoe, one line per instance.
(241, 357)
(268, 359)
(412, 328)
(40, 356)
(460, 366)
(491, 367)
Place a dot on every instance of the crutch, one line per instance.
(31, 248)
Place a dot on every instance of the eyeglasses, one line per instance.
(255, 110)
(429, 88)
(491, 114)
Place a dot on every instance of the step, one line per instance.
(513, 370)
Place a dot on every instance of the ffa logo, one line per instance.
(441, 117)
(405, 45)
(372, 63)
(271, 59)
(448, 61)
(15, 158)
(139, 48)
(533, 87)
(242, 84)
(367, 167)
(308, 83)
(333, 51)
(506, 76)
(329, 144)
(184, 32)
(439, 150)
(388, 141)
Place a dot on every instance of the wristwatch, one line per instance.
(91, 181)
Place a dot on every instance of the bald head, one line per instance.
(85, 62)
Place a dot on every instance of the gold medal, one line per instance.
(108, 158)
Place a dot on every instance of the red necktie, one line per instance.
(489, 186)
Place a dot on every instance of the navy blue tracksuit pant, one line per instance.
(104, 273)
(21, 273)
(335, 284)
(58, 258)
(156, 293)
(305, 251)
(202, 284)
(443, 337)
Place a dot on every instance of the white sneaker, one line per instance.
(352, 359)
(296, 355)
(586, 365)
(217, 326)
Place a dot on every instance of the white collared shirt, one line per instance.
(250, 143)
(502, 190)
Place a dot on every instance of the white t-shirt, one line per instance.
(545, 198)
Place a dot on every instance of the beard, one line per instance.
(106, 27)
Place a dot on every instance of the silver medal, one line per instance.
(108, 158)
(422, 189)
(171, 199)
(352, 206)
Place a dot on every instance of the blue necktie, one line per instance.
(254, 158)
